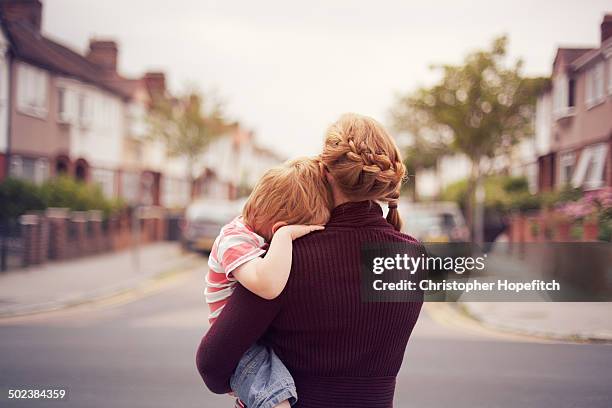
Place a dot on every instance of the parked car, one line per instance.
(434, 221)
(204, 219)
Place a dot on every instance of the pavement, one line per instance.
(138, 352)
(536, 315)
(568, 321)
(57, 285)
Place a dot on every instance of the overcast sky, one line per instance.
(286, 69)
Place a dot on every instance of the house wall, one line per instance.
(100, 140)
(543, 123)
(588, 124)
(4, 103)
(32, 135)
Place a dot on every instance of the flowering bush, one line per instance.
(594, 206)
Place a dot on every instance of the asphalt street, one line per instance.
(138, 351)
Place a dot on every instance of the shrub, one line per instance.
(502, 193)
(18, 197)
(516, 185)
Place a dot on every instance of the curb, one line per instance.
(135, 284)
(494, 324)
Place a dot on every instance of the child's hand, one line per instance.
(296, 231)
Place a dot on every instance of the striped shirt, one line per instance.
(235, 245)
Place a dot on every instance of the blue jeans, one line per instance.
(261, 380)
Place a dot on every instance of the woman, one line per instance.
(342, 352)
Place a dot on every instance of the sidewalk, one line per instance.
(588, 322)
(56, 285)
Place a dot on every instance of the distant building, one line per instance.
(66, 113)
(233, 164)
(574, 118)
(58, 115)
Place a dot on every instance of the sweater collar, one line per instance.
(358, 214)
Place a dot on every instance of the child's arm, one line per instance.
(266, 277)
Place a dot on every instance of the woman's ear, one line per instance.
(277, 225)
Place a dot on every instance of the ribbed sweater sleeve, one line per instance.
(243, 321)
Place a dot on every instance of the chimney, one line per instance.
(28, 12)
(155, 83)
(606, 27)
(104, 54)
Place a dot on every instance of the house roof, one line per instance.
(571, 54)
(30, 46)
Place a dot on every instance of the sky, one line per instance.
(287, 69)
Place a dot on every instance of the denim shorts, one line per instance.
(261, 380)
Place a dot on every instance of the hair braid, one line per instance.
(365, 162)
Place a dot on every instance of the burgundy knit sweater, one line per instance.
(341, 351)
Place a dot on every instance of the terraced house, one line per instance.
(574, 118)
(62, 112)
(57, 109)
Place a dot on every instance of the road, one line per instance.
(138, 351)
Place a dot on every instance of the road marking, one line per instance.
(448, 316)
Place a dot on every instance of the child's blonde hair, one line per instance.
(295, 192)
(365, 162)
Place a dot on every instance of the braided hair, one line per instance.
(365, 162)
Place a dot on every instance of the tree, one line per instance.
(186, 125)
(483, 106)
(426, 145)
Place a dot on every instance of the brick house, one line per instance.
(66, 113)
(574, 118)
(59, 115)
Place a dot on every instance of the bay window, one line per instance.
(32, 88)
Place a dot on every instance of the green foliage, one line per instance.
(605, 228)
(186, 125)
(456, 192)
(516, 185)
(524, 201)
(502, 193)
(66, 192)
(481, 108)
(483, 105)
(18, 197)
(550, 199)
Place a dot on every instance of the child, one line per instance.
(289, 201)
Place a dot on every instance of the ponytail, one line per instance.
(393, 216)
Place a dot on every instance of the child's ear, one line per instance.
(277, 225)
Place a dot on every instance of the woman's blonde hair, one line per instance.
(295, 192)
(365, 162)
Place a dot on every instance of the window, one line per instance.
(130, 187)
(32, 86)
(85, 110)
(610, 76)
(591, 165)
(175, 192)
(566, 167)
(106, 180)
(594, 177)
(594, 85)
(66, 108)
(563, 96)
(34, 170)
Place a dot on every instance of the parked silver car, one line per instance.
(204, 219)
(434, 221)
